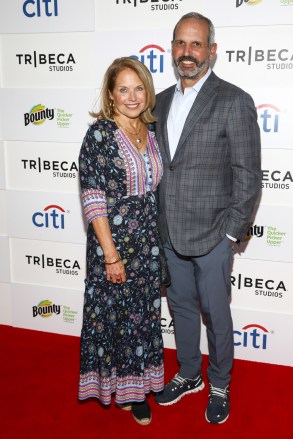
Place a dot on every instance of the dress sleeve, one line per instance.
(92, 167)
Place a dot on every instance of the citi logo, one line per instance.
(268, 118)
(153, 57)
(51, 217)
(248, 2)
(39, 8)
(38, 114)
(252, 335)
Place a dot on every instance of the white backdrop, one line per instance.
(53, 56)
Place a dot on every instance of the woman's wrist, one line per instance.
(112, 261)
(110, 253)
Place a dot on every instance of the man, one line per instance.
(210, 145)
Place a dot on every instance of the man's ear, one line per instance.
(213, 50)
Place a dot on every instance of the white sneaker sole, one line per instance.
(201, 387)
(215, 423)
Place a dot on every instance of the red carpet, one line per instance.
(39, 376)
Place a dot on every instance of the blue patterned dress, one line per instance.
(121, 341)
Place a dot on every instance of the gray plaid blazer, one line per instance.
(210, 187)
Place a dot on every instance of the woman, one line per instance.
(120, 168)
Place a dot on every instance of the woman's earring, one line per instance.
(112, 106)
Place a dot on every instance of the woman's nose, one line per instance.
(132, 95)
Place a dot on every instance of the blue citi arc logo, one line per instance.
(51, 217)
(268, 118)
(152, 56)
(251, 336)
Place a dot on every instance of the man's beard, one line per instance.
(196, 71)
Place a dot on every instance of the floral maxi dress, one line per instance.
(121, 341)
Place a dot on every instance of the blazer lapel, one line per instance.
(166, 104)
(203, 99)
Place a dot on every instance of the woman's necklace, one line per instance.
(137, 139)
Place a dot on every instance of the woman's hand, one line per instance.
(115, 270)
(116, 273)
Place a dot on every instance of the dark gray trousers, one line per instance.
(201, 286)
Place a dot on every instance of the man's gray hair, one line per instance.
(198, 17)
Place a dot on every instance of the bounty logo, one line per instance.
(248, 2)
(46, 309)
(38, 115)
(254, 230)
(51, 217)
(152, 56)
(252, 335)
(275, 237)
(268, 118)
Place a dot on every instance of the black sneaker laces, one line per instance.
(216, 391)
(178, 380)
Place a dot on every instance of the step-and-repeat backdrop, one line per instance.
(53, 56)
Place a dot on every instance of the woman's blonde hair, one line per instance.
(107, 110)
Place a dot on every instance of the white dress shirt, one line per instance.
(180, 107)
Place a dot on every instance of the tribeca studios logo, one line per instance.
(52, 217)
(273, 59)
(152, 56)
(59, 62)
(61, 266)
(260, 287)
(57, 168)
(276, 179)
(40, 114)
(167, 325)
(154, 5)
(40, 8)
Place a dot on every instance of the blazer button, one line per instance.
(171, 168)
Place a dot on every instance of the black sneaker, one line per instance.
(179, 387)
(218, 408)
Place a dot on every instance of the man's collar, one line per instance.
(197, 86)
